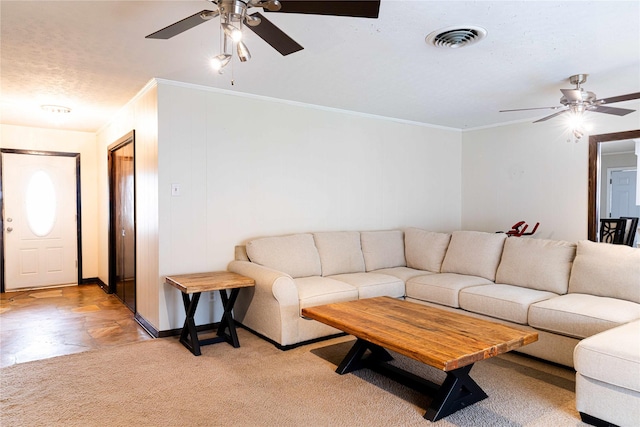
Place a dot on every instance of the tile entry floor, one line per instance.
(38, 324)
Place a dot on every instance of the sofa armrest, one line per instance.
(275, 282)
(272, 307)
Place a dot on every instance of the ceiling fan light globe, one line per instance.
(577, 109)
(220, 61)
(243, 52)
(234, 33)
(578, 133)
(577, 124)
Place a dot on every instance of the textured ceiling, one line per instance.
(92, 56)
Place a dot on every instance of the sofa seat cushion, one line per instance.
(318, 290)
(425, 250)
(537, 264)
(402, 273)
(340, 252)
(606, 270)
(506, 302)
(295, 254)
(442, 288)
(382, 249)
(474, 253)
(612, 357)
(580, 315)
(373, 284)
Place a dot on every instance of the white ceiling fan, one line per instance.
(578, 101)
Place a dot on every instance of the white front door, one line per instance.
(40, 224)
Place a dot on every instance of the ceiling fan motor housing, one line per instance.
(588, 100)
(233, 9)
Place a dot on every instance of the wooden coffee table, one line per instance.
(445, 340)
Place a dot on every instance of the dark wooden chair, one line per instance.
(612, 230)
(630, 230)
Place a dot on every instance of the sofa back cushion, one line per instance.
(383, 249)
(295, 255)
(474, 253)
(606, 270)
(539, 264)
(425, 250)
(340, 252)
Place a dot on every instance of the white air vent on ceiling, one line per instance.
(456, 37)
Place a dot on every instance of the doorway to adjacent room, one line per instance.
(122, 220)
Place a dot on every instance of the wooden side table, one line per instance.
(195, 284)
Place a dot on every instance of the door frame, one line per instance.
(78, 206)
(593, 181)
(129, 138)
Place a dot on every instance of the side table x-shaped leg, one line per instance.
(192, 286)
(189, 334)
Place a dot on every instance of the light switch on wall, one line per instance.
(175, 190)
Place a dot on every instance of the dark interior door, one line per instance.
(123, 261)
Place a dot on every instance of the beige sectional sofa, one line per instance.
(565, 291)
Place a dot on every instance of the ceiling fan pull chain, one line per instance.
(232, 66)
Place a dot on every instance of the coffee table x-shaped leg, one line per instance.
(456, 392)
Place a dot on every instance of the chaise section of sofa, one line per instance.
(608, 376)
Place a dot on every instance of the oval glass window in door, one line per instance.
(40, 200)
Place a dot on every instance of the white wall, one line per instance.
(28, 138)
(251, 167)
(529, 172)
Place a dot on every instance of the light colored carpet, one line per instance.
(160, 383)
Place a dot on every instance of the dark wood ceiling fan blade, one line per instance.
(613, 110)
(183, 25)
(621, 98)
(354, 8)
(273, 35)
(544, 119)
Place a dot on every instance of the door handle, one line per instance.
(9, 229)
